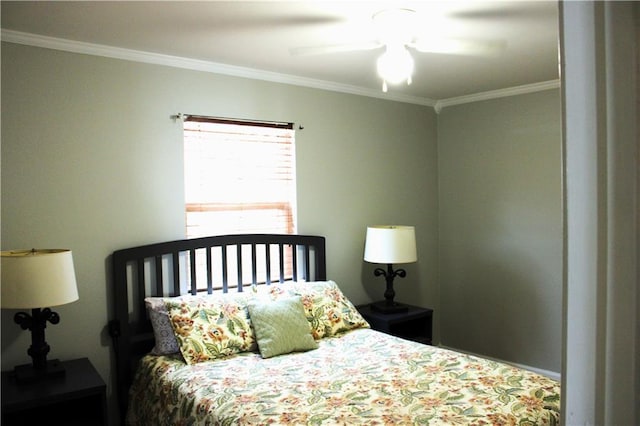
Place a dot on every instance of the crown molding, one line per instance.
(500, 93)
(47, 42)
(55, 43)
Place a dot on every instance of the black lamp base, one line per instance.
(388, 306)
(28, 374)
(40, 369)
(385, 307)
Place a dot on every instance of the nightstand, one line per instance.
(415, 324)
(77, 398)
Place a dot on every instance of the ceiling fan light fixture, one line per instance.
(395, 26)
(395, 65)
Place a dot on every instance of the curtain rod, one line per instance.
(204, 118)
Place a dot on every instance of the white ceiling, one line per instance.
(257, 36)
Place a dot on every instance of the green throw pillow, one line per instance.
(281, 327)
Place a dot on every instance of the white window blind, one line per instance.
(239, 177)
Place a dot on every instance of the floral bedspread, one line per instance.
(362, 377)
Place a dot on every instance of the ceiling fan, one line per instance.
(398, 30)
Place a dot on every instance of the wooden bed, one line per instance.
(169, 269)
(345, 373)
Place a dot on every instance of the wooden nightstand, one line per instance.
(78, 398)
(415, 324)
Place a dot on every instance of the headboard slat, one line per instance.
(281, 257)
(159, 276)
(209, 272)
(225, 273)
(175, 265)
(141, 289)
(254, 269)
(192, 271)
(239, 263)
(306, 262)
(294, 257)
(267, 259)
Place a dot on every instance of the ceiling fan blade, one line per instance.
(460, 46)
(335, 48)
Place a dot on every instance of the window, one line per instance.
(239, 179)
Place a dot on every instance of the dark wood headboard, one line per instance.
(200, 265)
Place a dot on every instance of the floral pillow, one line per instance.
(328, 310)
(211, 329)
(165, 340)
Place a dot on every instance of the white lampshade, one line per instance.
(37, 278)
(390, 244)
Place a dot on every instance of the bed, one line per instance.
(257, 334)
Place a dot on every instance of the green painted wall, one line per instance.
(92, 161)
(500, 221)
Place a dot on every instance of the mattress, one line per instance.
(360, 377)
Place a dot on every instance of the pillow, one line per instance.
(165, 341)
(281, 327)
(328, 310)
(213, 328)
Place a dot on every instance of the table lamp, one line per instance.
(390, 244)
(37, 279)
